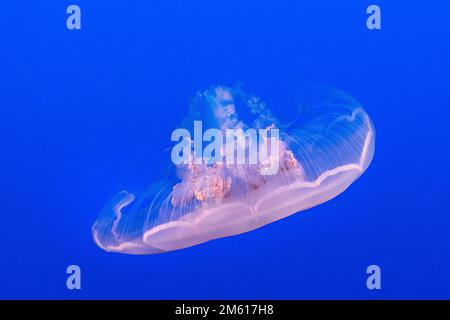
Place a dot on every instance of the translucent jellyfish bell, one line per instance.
(328, 145)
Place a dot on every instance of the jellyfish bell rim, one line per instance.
(192, 231)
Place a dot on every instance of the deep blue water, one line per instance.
(88, 113)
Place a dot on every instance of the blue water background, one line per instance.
(85, 114)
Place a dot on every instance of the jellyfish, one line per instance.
(327, 144)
